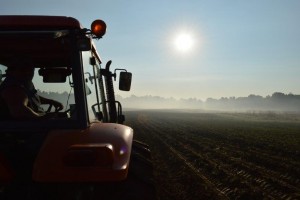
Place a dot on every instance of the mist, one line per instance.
(278, 102)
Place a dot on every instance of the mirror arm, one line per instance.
(117, 69)
(115, 74)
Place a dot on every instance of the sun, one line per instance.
(184, 42)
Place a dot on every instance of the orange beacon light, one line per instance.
(98, 28)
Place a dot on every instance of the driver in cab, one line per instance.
(19, 98)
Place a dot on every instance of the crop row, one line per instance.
(220, 164)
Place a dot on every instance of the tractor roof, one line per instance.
(34, 22)
(43, 39)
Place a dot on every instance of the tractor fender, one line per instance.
(98, 153)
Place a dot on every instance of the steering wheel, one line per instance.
(56, 113)
(50, 107)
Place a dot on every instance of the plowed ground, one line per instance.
(221, 155)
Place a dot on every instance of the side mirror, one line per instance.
(125, 81)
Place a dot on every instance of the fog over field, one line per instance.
(275, 102)
(278, 102)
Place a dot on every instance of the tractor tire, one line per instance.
(142, 149)
(140, 177)
(139, 183)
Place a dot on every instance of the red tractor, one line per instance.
(82, 151)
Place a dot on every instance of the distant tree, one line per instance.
(278, 95)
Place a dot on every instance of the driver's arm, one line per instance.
(17, 101)
(58, 106)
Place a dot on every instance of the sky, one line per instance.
(227, 47)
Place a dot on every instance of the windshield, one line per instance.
(93, 87)
(58, 92)
(36, 76)
(62, 92)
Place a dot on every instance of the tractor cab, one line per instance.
(67, 69)
(73, 145)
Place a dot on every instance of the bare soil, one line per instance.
(221, 155)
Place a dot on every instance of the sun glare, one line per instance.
(183, 42)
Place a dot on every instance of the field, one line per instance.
(221, 155)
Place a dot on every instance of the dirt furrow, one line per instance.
(216, 173)
(178, 176)
(276, 176)
(227, 164)
(277, 186)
